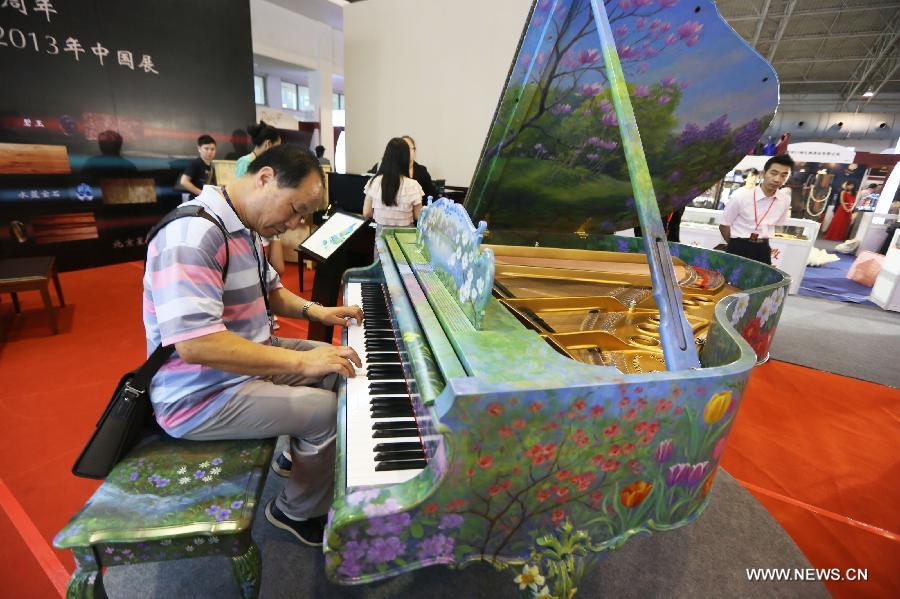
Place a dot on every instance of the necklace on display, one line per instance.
(818, 201)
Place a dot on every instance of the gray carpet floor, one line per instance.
(706, 558)
(840, 337)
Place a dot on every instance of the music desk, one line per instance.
(31, 274)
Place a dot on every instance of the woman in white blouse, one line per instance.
(393, 199)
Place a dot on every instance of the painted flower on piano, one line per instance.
(634, 494)
(717, 406)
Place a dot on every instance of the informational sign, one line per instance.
(103, 97)
(814, 151)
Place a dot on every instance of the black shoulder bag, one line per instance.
(130, 412)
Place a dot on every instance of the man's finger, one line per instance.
(350, 354)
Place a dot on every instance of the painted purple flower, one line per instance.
(212, 510)
(697, 473)
(654, 24)
(677, 474)
(199, 474)
(222, 515)
(593, 141)
(216, 461)
(389, 525)
(591, 90)
(622, 30)
(717, 129)
(437, 546)
(643, 67)
(593, 157)
(671, 39)
(675, 176)
(663, 99)
(667, 3)
(609, 145)
(134, 476)
(350, 569)
(628, 52)
(609, 119)
(605, 105)
(692, 41)
(364, 496)
(354, 550)
(642, 91)
(562, 109)
(451, 521)
(689, 29)
(162, 482)
(569, 60)
(586, 57)
(664, 451)
(649, 52)
(382, 551)
(381, 509)
(153, 478)
(236, 505)
(641, 22)
(691, 134)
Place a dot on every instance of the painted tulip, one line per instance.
(635, 493)
(696, 474)
(717, 407)
(677, 474)
(664, 451)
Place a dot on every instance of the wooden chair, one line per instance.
(31, 274)
(171, 499)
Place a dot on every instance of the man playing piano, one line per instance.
(229, 377)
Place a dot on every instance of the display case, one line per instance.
(790, 246)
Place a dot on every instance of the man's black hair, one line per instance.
(320, 151)
(205, 139)
(291, 163)
(783, 160)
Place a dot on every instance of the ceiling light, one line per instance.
(868, 93)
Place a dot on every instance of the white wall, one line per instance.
(432, 69)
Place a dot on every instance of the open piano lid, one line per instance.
(553, 161)
(565, 154)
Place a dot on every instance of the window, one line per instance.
(303, 102)
(289, 95)
(259, 90)
(337, 101)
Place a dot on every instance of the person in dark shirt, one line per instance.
(320, 154)
(199, 171)
(110, 162)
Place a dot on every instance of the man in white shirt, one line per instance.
(753, 213)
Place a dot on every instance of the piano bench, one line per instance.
(171, 499)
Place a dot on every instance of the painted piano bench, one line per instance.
(171, 499)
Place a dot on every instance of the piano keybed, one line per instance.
(384, 444)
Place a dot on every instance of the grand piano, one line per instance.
(536, 390)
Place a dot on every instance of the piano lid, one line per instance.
(553, 160)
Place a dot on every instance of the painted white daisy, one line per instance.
(184, 480)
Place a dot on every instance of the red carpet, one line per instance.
(828, 442)
(822, 440)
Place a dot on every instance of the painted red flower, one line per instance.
(536, 407)
(628, 449)
(623, 403)
(640, 427)
(470, 472)
(678, 410)
(751, 331)
(596, 497)
(615, 450)
(505, 432)
(485, 462)
(543, 495)
(646, 439)
(638, 389)
(518, 423)
(654, 427)
(506, 484)
(663, 405)
(597, 411)
(431, 508)
(630, 415)
(634, 464)
(558, 516)
(550, 426)
(597, 459)
(641, 403)
(611, 431)
(456, 504)
(632, 495)
(516, 471)
(495, 409)
(610, 466)
(493, 490)
(563, 475)
(579, 405)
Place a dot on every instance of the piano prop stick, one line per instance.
(536, 382)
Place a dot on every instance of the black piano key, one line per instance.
(397, 446)
(382, 387)
(400, 434)
(391, 412)
(401, 465)
(399, 455)
(384, 371)
(393, 425)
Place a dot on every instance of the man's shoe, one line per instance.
(282, 464)
(309, 532)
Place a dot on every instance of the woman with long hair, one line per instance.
(393, 198)
(840, 222)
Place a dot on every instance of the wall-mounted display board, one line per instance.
(101, 108)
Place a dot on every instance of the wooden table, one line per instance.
(31, 274)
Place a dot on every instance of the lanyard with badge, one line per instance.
(754, 235)
(262, 269)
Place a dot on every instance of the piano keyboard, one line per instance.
(383, 441)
